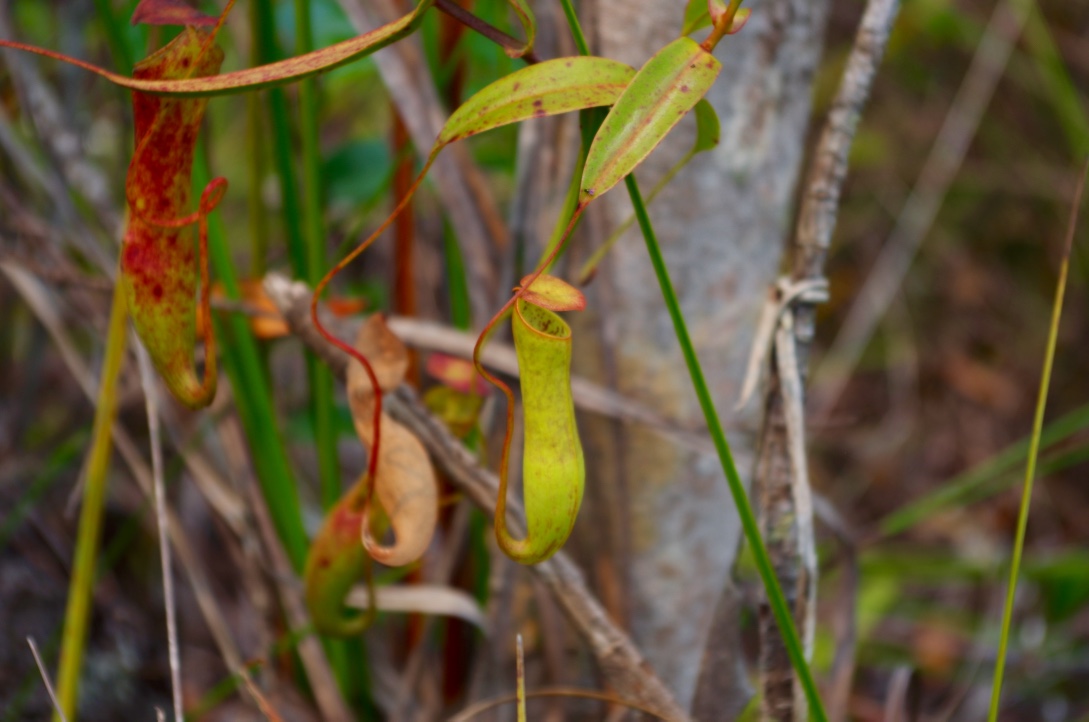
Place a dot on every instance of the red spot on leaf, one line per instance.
(159, 262)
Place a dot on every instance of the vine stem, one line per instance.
(74, 639)
(748, 520)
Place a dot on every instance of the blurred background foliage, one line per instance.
(919, 456)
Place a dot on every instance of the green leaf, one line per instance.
(553, 471)
(529, 24)
(666, 88)
(708, 129)
(263, 76)
(548, 88)
(697, 16)
(708, 133)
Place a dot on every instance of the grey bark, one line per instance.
(722, 225)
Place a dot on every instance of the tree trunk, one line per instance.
(722, 224)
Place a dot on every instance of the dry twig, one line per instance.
(781, 481)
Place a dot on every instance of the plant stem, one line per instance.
(483, 28)
(748, 520)
(253, 398)
(321, 380)
(90, 517)
(265, 40)
(1034, 450)
(576, 27)
(258, 219)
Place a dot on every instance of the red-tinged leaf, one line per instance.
(278, 73)
(456, 373)
(169, 12)
(553, 293)
(740, 18)
(665, 89)
(334, 564)
(159, 269)
(700, 14)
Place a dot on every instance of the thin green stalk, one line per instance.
(1057, 82)
(258, 218)
(254, 400)
(90, 517)
(590, 267)
(748, 520)
(321, 379)
(576, 27)
(265, 40)
(589, 122)
(737, 490)
(1034, 450)
(115, 37)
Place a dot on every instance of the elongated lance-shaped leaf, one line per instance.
(553, 472)
(278, 73)
(159, 270)
(529, 24)
(708, 132)
(667, 87)
(548, 88)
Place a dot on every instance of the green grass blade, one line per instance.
(90, 518)
(965, 485)
(253, 398)
(748, 520)
(321, 380)
(115, 37)
(1034, 450)
(1057, 82)
(264, 32)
